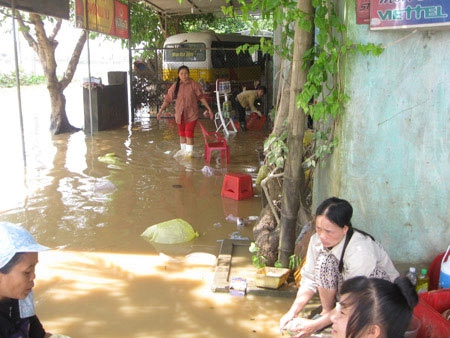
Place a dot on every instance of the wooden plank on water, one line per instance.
(221, 281)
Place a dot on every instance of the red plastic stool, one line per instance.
(237, 186)
(255, 122)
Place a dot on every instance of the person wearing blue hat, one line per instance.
(18, 259)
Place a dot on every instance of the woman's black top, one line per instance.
(12, 326)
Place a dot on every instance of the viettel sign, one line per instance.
(401, 14)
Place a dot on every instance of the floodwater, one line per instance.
(102, 279)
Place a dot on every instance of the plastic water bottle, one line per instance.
(422, 281)
(412, 275)
(227, 106)
(226, 109)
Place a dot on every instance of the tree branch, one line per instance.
(26, 32)
(72, 65)
(55, 30)
(44, 45)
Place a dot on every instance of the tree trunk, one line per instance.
(293, 181)
(45, 47)
(59, 122)
(283, 107)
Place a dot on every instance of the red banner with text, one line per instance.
(103, 16)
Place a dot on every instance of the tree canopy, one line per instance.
(149, 29)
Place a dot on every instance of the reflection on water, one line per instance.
(90, 198)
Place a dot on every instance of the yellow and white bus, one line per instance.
(212, 56)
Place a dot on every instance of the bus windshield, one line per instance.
(185, 52)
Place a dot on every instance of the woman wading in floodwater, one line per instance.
(186, 93)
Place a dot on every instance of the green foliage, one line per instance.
(323, 94)
(294, 262)
(190, 23)
(276, 150)
(197, 23)
(145, 27)
(9, 80)
(272, 114)
(323, 148)
(272, 14)
(257, 260)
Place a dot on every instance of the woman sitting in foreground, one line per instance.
(375, 308)
(336, 252)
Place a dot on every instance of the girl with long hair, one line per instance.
(186, 93)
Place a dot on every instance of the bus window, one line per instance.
(185, 52)
(245, 59)
(228, 55)
(231, 59)
(218, 58)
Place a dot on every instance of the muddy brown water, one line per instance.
(102, 279)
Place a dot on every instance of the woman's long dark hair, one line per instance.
(177, 87)
(379, 302)
(337, 210)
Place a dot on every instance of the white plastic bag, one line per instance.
(170, 232)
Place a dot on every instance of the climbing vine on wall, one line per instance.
(323, 95)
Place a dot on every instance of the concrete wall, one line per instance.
(393, 158)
